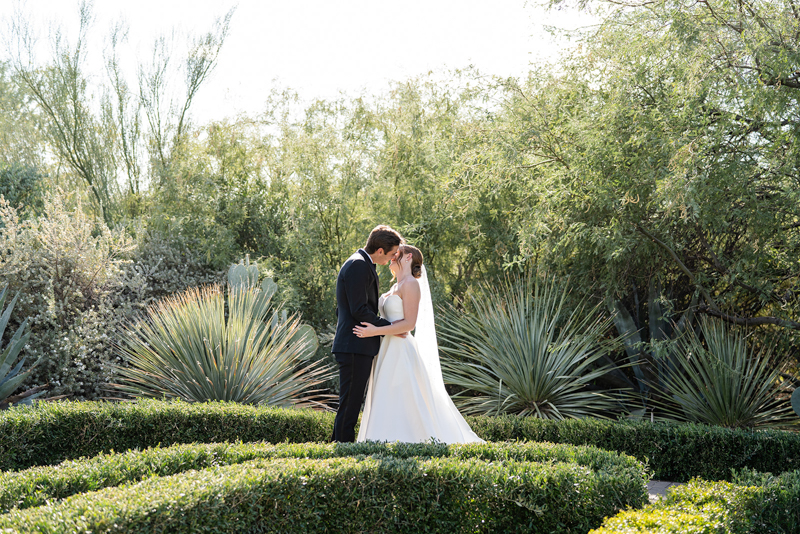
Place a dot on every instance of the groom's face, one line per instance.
(385, 257)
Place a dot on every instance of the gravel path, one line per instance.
(658, 488)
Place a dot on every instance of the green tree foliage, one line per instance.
(168, 117)
(22, 181)
(23, 187)
(669, 147)
(216, 201)
(20, 127)
(320, 169)
(74, 131)
(417, 159)
(100, 139)
(447, 178)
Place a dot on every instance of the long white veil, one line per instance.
(425, 334)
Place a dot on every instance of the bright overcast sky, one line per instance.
(322, 47)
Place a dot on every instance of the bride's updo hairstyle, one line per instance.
(416, 259)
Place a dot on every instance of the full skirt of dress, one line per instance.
(401, 404)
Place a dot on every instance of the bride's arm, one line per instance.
(410, 294)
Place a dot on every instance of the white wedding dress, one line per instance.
(406, 399)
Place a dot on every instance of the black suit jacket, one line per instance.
(357, 301)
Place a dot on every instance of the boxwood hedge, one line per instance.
(376, 493)
(763, 504)
(778, 506)
(38, 485)
(674, 451)
(53, 432)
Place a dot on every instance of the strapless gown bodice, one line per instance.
(391, 308)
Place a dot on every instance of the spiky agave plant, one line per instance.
(720, 379)
(517, 350)
(188, 348)
(10, 376)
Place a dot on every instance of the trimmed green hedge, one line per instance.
(674, 451)
(370, 494)
(778, 507)
(698, 507)
(770, 506)
(38, 485)
(53, 432)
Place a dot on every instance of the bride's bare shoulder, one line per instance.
(410, 286)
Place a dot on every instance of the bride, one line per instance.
(406, 399)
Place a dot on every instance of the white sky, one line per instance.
(322, 47)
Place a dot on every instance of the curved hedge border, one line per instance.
(674, 451)
(53, 432)
(773, 505)
(370, 494)
(38, 485)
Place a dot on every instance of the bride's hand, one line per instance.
(365, 330)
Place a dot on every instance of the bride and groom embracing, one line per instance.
(406, 399)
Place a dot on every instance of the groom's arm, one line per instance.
(356, 290)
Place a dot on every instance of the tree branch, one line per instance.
(680, 265)
(749, 321)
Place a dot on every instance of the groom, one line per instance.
(357, 302)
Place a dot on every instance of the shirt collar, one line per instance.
(370, 257)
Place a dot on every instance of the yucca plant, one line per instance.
(187, 347)
(519, 351)
(720, 379)
(10, 376)
(649, 348)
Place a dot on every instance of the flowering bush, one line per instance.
(67, 269)
(78, 282)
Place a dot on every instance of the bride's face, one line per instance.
(395, 265)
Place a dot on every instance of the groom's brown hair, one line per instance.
(383, 237)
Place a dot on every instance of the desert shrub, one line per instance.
(519, 350)
(66, 268)
(162, 265)
(79, 283)
(199, 345)
(720, 379)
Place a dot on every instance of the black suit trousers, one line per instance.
(354, 371)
